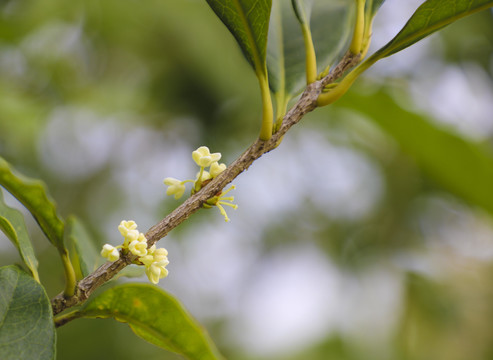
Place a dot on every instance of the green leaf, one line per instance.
(428, 18)
(13, 225)
(33, 195)
(155, 316)
(84, 255)
(248, 21)
(331, 24)
(26, 319)
(459, 166)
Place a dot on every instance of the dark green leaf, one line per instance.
(33, 195)
(459, 166)
(26, 319)
(156, 316)
(428, 18)
(330, 22)
(13, 225)
(248, 21)
(85, 256)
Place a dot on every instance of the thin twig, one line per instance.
(306, 103)
(348, 61)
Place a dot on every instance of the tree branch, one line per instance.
(306, 104)
(348, 61)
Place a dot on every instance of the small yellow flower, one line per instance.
(221, 200)
(154, 260)
(157, 270)
(110, 252)
(155, 263)
(138, 248)
(129, 231)
(203, 157)
(151, 250)
(160, 254)
(147, 260)
(175, 187)
(126, 226)
(142, 238)
(132, 235)
(217, 168)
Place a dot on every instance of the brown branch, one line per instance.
(306, 103)
(347, 62)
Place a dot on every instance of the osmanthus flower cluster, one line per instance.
(135, 242)
(204, 159)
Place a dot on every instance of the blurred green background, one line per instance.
(368, 234)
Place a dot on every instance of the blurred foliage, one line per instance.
(96, 98)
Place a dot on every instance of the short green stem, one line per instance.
(70, 280)
(281, 107)
(267, 110)
(36, 277)
(341, 88)
(198, 183)
(359, 28)
(60, 320)
(311, 57)
(366, 36)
